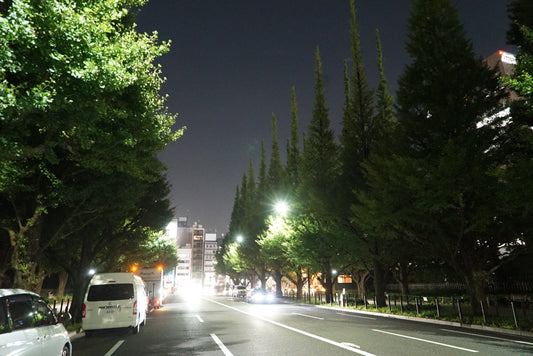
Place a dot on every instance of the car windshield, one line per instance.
(110, 292)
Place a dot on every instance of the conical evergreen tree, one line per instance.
(443, 95)
(317, 191)
(275, 168)
(384, 103)
(320, 166)
(357, 125)
(518, 143)
(293, 152)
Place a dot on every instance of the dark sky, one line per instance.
(232, 64)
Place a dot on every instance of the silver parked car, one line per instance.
(28, 326)
(239, 291)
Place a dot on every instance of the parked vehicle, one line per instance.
(114, 300)
(153, 281)
(239, 291)
(28, 326)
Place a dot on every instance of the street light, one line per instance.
(239, 238)
(281, 208)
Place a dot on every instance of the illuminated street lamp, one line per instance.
(281, 208)
(239, 238)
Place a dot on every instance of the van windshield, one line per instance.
(110, 292)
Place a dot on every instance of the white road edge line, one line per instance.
(114, 348)
(357, 316)
(424, 340)
(323, 339)
(221, 345)
(308, 316)
(351, 345)
(488, 337)
(199, 318)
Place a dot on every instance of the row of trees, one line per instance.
(416, 189)
(81, 122)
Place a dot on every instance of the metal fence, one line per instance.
(514, 311)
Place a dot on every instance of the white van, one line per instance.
(114, 300)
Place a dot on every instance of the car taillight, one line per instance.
(83, 310)
(157, 302)
(135, 308)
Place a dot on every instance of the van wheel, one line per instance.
(65, 351)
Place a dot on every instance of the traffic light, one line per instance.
(160, 267)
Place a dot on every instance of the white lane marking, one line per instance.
(350, 344)
(488, 337)
(114, 348)
(357, 316)
(199, 318)
(323, 339)
(221, 345)
(308, 316)
(424, 340)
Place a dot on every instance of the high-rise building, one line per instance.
(197, 265)
(196, 251)
(210, 249)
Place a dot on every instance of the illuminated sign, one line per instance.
(507, 57)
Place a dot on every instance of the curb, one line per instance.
(433, 321)
(75, 334)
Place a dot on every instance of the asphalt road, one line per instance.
(227, 326)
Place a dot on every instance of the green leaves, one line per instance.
(79, 98)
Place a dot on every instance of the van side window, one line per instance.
(119, 291)
(43, 314)
(4, 322)
(21, 311)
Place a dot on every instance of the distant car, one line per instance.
(239, 292)
(260, 295)
(28, 326)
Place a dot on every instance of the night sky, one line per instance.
(231, 66)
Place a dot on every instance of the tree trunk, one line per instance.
(379, 283)
(63, 279)
(277, 278)
(359, 278)
(403, 277)
(299, 284)
(476, 284)
(17, 273)
(79, 284)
